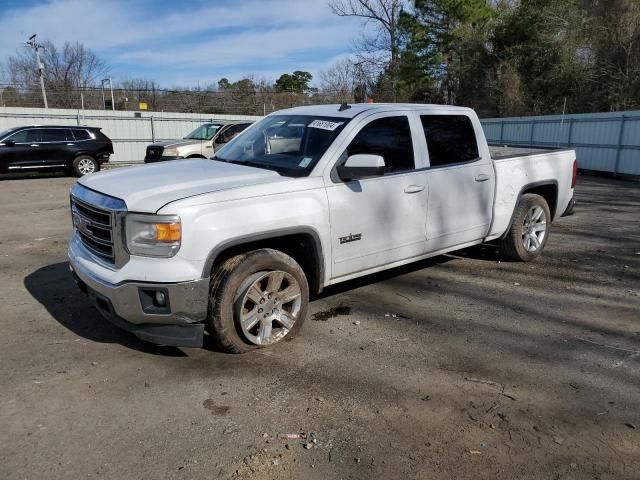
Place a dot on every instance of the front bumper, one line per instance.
(160, 159)
(128, 306)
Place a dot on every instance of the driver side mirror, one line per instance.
(10, 143)
(361, 166)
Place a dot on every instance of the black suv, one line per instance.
(80, 150)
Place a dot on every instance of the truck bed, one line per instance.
(501, 152)
(520, 168)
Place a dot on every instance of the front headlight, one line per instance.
(170, 152)
(153, 235)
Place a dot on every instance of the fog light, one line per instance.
(160, 299)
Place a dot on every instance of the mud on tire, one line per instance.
(261, 281)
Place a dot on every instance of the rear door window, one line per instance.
(450, 139)
(389, 137)
(56, 135)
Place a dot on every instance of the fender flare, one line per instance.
(269, 235)
(528, 186)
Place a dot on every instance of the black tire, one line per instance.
(513, 244)
(228, 284)
(80, 161)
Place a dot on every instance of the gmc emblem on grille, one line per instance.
(81, 224)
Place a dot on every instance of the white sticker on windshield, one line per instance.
(304, 162)
(325, 125)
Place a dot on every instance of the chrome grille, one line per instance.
(97, 223)
(94, 226)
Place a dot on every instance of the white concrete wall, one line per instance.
(130, 134)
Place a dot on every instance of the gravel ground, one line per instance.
(464, 366)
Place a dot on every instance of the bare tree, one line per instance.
(339, 81)
(379, 46)
(67, 69)
(136, 90)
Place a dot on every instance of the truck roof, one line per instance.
(358, 108)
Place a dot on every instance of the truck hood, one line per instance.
(176, 143)
(148, 188)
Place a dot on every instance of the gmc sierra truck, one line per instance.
(233, 247)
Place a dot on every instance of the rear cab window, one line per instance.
(451, 139)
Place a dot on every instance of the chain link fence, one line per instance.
(229, 102)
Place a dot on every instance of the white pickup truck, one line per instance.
(305, 198)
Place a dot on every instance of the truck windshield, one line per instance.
(288, 144)
(204, 132)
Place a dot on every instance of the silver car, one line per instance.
(201, 143)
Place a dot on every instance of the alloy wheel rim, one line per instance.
(534, 228)
(268, 306)
(86, 166)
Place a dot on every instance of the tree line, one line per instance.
(501, 57)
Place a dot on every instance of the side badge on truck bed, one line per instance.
(352, 237)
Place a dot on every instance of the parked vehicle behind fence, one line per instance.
(78, 150)
(306, 198)
(203, 142)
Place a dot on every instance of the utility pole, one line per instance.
(33, 43)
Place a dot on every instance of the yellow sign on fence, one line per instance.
(143, 106)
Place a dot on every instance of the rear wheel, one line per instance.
(529, 230)
(257, 299)
(84, 165)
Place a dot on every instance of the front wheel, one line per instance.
(257, 299)
(84, 165)
(529, 230)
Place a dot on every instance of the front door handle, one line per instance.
(483, 177)
(70, 144)
(34, 145)
(414, 189)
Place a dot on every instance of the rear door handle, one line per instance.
(414, 189)
(34, 145)
(70, 144)
(483, 177)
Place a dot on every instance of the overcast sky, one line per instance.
(187, 43)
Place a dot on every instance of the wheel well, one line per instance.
(302, 247)
(549, 192)
(196, 156)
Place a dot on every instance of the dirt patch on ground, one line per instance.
(464, 366)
